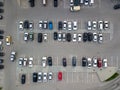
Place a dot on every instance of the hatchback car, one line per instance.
(49, 61)
(50, 24)
(35, 77)
(44, 60)
(64, 62)
(23, 79)
(59, 76)
(40, 76)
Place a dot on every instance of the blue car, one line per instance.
(50, 25)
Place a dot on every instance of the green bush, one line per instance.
(0, 88)
(112, 77)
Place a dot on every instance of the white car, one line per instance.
(74, 37)
(75, 25)
(100, 37)
(44, 61)
(1, 43)
(94, 25)
(41, 24)
(86, 2)
(89, 60)
(45, 37)
(26, 36)
(79, 37)
(31, 26)
(94, 62)
(13, 56)
(59, 36)
(50, 75)
(89, 25)
(106, 25)
(25, 62)
(71, 8)
(65, 25)
(63, 37)
(100, 25)
(71, 2)
(44, 77)
(40, 76)
(30, 62)
(95, 37)
(21, 25)
(20, 62)
(105, 62)
(45, 25)
(69, 25)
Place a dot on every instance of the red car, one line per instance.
(59, 76)
(99, 62)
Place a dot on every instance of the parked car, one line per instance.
(50, 25)
(1, 4)
(2, 54)
(55, 3)
(12, 56)
(31, 25)
(1, 67)
(79, 36)
(26, 24)
(40, 37)
(21, 61)
(89, 25)
(68, 37)
(8, 40)
(100, 38)
(30, 62)
(55, 36)
(49, 60)
(86, 2)
(117, 6)
(26, 35)
(105, 62)
(1, 17)
(85, 36)
(100, 25)
(45, 37)
(106, 25)
(74, 61)
(65, 25)
(59, 76)
(60, 25)
(23, 79)
(64, 36)
(25, 62)
(32, 3)
(89, 62)
(95, 37)
(41, 24)
(94, 25)
(44, 77)
(44, 2)
(1, 32)
(70, 25)
(1, 10)
(99, 62)
(1, 61)
(84, 62)
(90, 36)
(31, 36)
(21, 25)
(40, 76)
(94, 59)
(71, 2)
(1, 37)
(74, 37)
(50, 75)
(35, 77)
(64, 61)
(59, 36)
(75, 25)
(44, 60)
(45, 25)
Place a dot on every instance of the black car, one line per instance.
(2, 53)
(1, 17)
(90, 36)
(1, 32)
(76, 2)
(1, 4)
(1, 11)
(55, 36)
(55, 3)
(60, 25)
(49, 59)
(73, 61)
(117, 6)
(68, 37)
(40, 37)
(1, 61)
(35, 77)
(1, 66)
(85, 37)
(32, 3)
(84, 61)
(1, 37)
(23, 79)
(26, 24)
(64, 61)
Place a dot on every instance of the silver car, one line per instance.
(94, 25)
(65, 25)
(44, 62)
(100, 25)
(45, 77)
(100, 37)
(26, 36)
(89, 25)
(95, 37)
(40, 76)
(21, 25)
(50, 75)
(69, 25)
(41, 24)
(89, 60)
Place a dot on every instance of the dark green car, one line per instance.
(31, 36)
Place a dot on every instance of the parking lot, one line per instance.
(73, 78)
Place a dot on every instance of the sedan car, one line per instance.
(2, 54)
(41, 25)
(55, 3)
(100, 25)
(105, 62)
(30, 62)
(40, 76)
(31, 26)
(64, 37)
(8, 40)
(55, 36)
(44, 61)
(100, 37)
(45, 77)
(84, 62)
(31, 36)
(1, 66)
(40, 37)
(45, 37)
(12, 56)
(26, 24)
(1, 61)
(23, 79)
(64, 61)
(59, 76)
(90, 36)
(99, 62)
(117, 6)
(74, 61)
(69, 25)
(25, 62)
(65, 25)
(89, 25)
(75, 25)
(79, 36)
(20, 62)
(106, 25)
(74, 37)
(45, 25)
(94, 59)
(50, 75)
(49, 61)
(94, 25)
(50, 24)
(68, 37)
(35, 77)
(95, 37)
(26, 35)
(59, 36)
(60, 25)
(85, 37)
(21, 25)
(89, 61)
